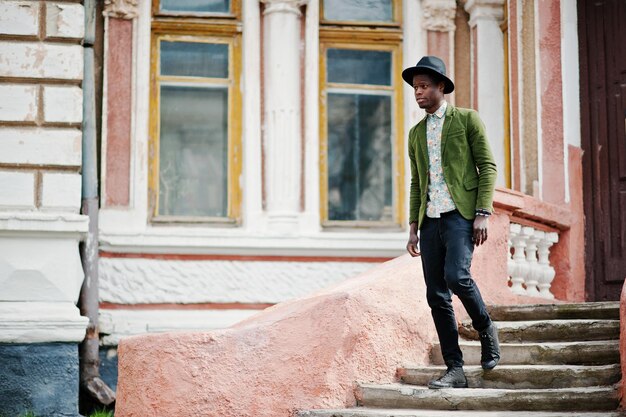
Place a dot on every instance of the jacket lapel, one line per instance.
(446, 127)
(422, 143)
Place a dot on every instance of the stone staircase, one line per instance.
(557, 360)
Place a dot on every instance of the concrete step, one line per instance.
(601, 310)
(550, 330)
(604, 352)
(377, 412)
(408, 396)
(521, 376)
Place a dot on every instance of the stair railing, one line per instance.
(529, 268)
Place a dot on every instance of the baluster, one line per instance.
(547, 271)
(534, 269)
(521, 266)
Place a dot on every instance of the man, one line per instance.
(453, 175)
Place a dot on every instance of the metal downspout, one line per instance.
(91, 384)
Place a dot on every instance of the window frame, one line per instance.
(396, 13)
(234, 14)
(372, 40)
(207, 30)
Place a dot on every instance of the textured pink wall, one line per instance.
(119, 76)
(304, 353)
(551, 87)
(568, 256)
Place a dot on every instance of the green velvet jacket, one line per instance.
(468, 165)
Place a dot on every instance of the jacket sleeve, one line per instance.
(485, 163)
(414, 192)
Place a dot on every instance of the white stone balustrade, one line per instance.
(529, 269)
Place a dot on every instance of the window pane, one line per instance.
(196, 6)
(194, 59)
(193, 164)
(359, 67)
(359, 157)
(358, 10)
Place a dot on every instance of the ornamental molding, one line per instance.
(283, 6)
(439, 15)
(488, 10)
(146, 281)
(121, 9)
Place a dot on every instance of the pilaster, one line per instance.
(486, 16)
(282, 138)
(439, 24)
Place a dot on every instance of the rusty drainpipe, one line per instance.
(90, 382)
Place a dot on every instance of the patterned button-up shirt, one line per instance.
(439, 199)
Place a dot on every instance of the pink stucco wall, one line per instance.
(553, 156)
(304, 353)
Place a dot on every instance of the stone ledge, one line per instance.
(39, 322)
(531, 211)
(74, 225)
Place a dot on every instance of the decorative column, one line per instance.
(282, 106)
(486, 16)
(439, 25)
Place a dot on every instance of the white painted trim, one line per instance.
(118, 324)
(105, 114)
(43, 224)
(251, 180)
(570, 68)
(244, 243)
(414, 46)
(41, 322)
(310, 220)
(520, 95)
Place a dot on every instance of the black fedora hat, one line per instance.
(429, 65)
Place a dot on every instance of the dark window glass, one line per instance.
(350, 66)
(193, 154)
(194, 59)
(358, 10)
(196, 6)
(359, 157)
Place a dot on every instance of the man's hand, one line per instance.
(412, 246)
(480, 230)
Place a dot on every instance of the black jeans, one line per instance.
(447, 249)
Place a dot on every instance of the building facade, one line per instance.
(254, 151)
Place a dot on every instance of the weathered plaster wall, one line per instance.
(304, 353)
(41, 70)
(568, 256)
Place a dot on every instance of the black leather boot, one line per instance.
(490, 347)
(453, 378)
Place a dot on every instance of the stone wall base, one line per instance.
(41, 378)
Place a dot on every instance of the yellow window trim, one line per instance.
(234, 121)
(398, 194)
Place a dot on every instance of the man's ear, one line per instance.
(441, 86)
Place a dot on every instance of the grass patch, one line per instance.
(100, 413)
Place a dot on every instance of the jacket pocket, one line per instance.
(471, 183)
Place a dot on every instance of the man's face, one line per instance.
(427, 94)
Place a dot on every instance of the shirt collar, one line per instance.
(441, 111)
